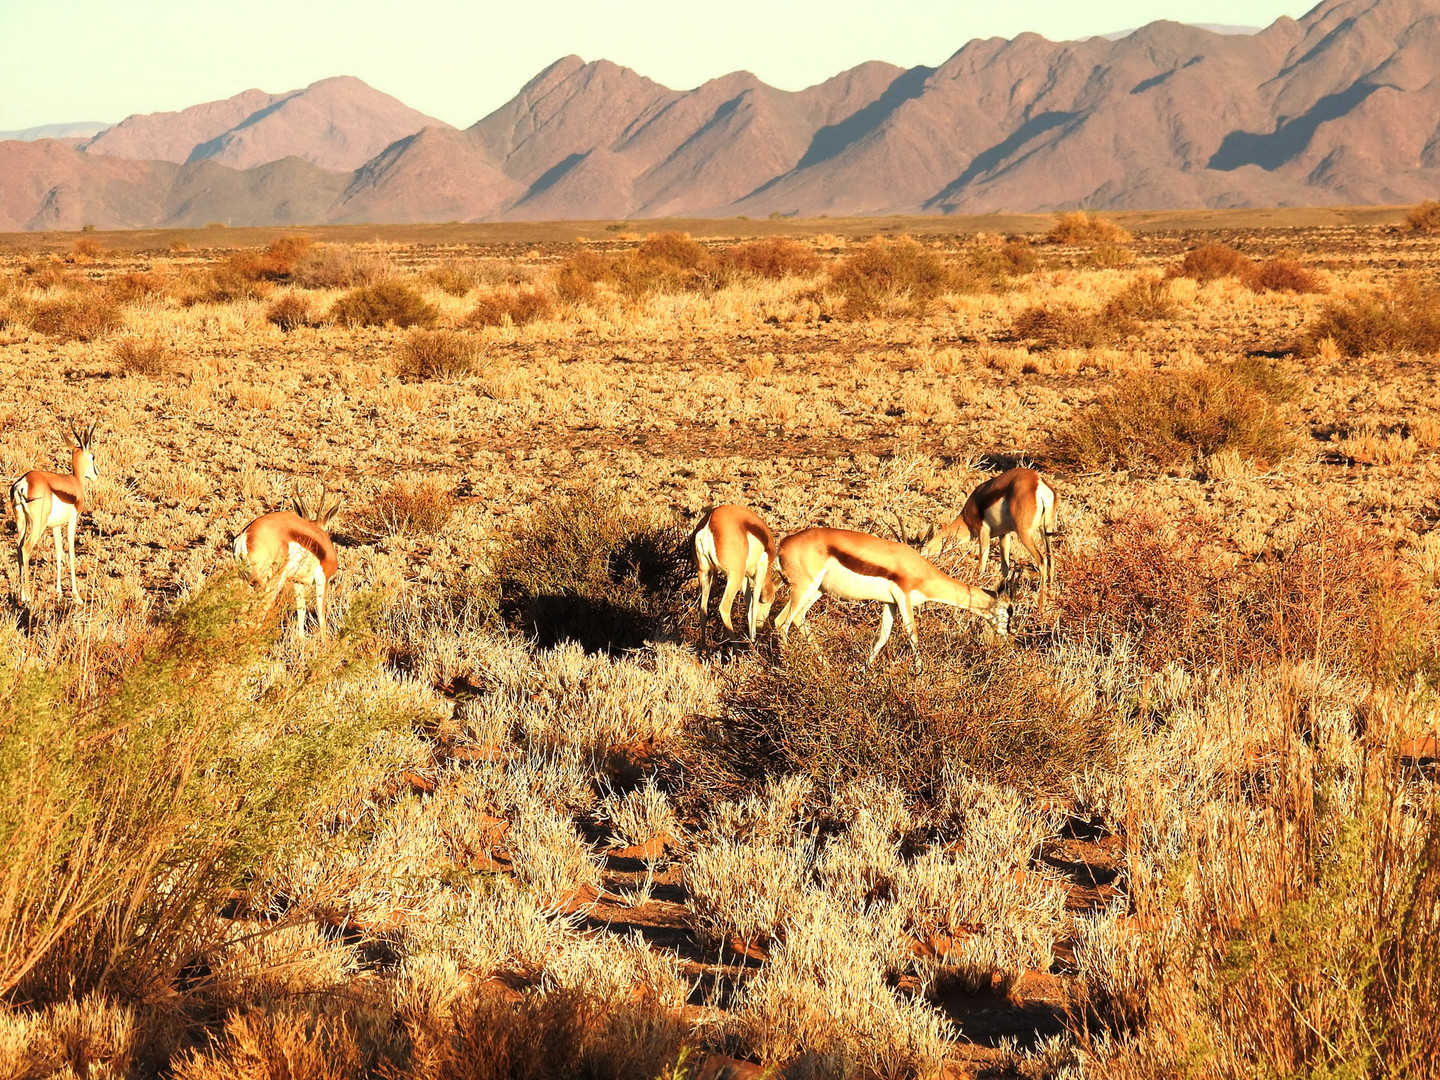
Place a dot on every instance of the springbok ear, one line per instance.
(90, 433)
(929, 535)
(68, 434)
(328, 515)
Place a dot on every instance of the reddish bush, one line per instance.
(1213, 262)
(772, 258)
(524, 306)
(1288, 275)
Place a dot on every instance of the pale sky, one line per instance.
(74, 60)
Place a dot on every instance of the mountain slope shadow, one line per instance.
(1290, 137)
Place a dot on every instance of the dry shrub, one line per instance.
(438, 354)
(1288, 275)
(890, 277)
(830, 719)
(1067, 326)
(460, 276)
(1108, 256)
(1147, 298)
(517, 308)
(291, 311)
(1424, 218)
(336, 266)
(87, 249)
(413, 506)
(130, 287)
(1405, 317)
(80, 316)
(1157, 578)
(382, 304)
(575, 279)
(1078, 227)
(149, 355)
(1172, 423)
(48, 273)
(1213, 262)
(595, 569)
(772, 258)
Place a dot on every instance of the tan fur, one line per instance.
(1018, 503)
(858, 566)
(733, 541)
(292, 548)
(46, 501)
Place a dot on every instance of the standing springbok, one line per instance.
(1015, 503)
(732, 540)
(292, 548)
(46, 500)
(858, 566)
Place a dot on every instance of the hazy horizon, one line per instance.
(458, 62)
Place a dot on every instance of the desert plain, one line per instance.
(507, 818)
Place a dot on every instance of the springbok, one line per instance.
(292, 548)
(858, 566)
(732, 540)
(46, 500)
(1015, 503)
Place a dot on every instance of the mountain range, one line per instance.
(1339, 106)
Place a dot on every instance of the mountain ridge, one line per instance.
(1338, 106)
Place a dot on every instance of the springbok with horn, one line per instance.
(732, 540)
(1014, 503)
(293, 548)
(858, 566)
(54, 501)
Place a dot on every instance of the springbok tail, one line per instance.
(19, 496)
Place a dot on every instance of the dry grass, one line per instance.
(438, 354)
(1403, 317)
(150, 355)
(508, 821)
(1174, 423)
(385, 303)
(1080, 227)
(1424, 218)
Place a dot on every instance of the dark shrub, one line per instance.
(1213, 262)
(519, 308)
(383, 303)
(1288, 275)
(416, 506)
(1171, 423)
(592, 568)
(1424, 218)
(80, 316)
(1405, 317)
(772, 258)
(1060, 325)
(437, 354)
(291, 311)
(829, 718)
(890, 277)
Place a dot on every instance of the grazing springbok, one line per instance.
(46, 500)
(858, 566)
(732, 540)
(1015, 503)
(292, 548)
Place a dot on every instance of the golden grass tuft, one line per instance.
(1080, 227)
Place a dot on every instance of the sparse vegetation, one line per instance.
(1404, 317)
(76, 316)
(1173, 423)
(508, 821)
(1424, 218)
(438, 354)
(1080, 227)
(381, 304)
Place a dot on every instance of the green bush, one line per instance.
(127, 815)
(381, 304)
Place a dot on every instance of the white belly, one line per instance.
(848, 585)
